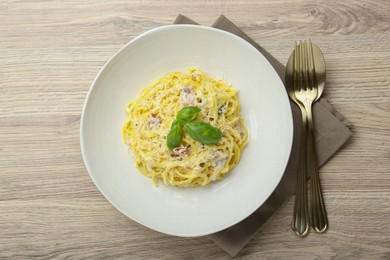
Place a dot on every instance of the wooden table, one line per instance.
(50, 53)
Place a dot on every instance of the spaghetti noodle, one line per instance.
(191, 163)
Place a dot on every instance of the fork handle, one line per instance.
(319, 219)
(300, 222)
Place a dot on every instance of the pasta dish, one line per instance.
(191, 163)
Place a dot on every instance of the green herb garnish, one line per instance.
(199, 131)
(176, 134)
(203, 132)
(188, 113)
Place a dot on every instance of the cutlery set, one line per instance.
(305, 80)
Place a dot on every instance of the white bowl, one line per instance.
(264, 106)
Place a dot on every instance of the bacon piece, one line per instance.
(187, 96)
(187, 90)
(180, 151)
(153, 122)
(220, 159)
(218, 162)
(240, 129)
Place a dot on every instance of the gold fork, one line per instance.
(305, 80)
(310, 89)
(300, 221)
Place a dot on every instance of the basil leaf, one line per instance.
(203, 132)
(188, 113)
(175, 135)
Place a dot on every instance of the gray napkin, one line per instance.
(331, 133)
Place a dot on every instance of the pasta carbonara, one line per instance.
(191, 163)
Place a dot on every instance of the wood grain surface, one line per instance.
(50, 53)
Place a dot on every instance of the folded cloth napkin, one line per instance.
(332, 131)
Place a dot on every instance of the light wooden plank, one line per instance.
(52, 50)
